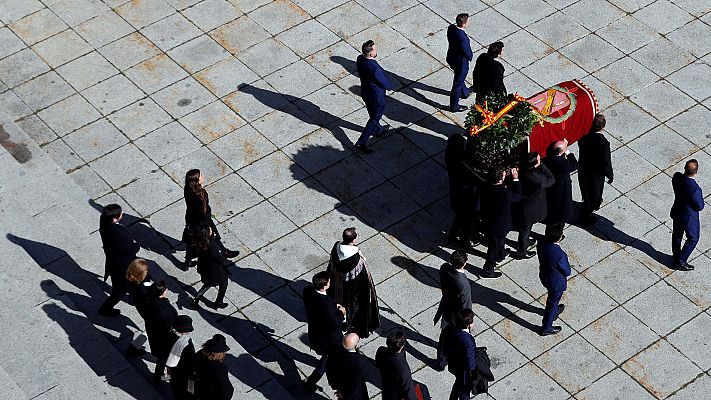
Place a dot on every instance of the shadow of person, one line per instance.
(57, 262)
(491, 299)
(148, 237)
(605, 229)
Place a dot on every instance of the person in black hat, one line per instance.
(181, 359)
(212, 381)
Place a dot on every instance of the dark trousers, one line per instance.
(691, 229)
(462, 388)
(591, 187)
(461, 226)
(318, 372)
(375, 112)
(118, 289)
(495, 251)
(524, 239)
(180, 390)
(221, 290)
(551, 311)
(459, 87)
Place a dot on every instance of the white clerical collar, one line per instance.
(345, 250)
(352, 351)
(323, 292)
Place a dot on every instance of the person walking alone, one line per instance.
(373, 84)
(688, 201)
(459, 54)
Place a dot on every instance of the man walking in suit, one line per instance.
(120, 249)
(488, 75)
(688, 201)
(554, 270)
(535, 179)
(559, 197)
(496, 204)
(394, 370)
(373, 84)
(595, 165)
(325, 320)
(345, 371)
(456, 294)
(459, 54)
(460, 352)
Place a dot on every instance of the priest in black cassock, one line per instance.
(352, 285)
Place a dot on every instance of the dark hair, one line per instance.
(458, 258)
(193, 186)
(691, 167)
(462, 19)
(558, 149)
(554, 235)
(111, 212)
(463, 318)
(598, 123)
(495, 49)
(532, 160)
(395, 340)
(349, 235)
(321, 279)
(201, 239)
(156, 289)
(495, 176)
(367, 47)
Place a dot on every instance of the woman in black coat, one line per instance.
(139, 285)
(212, 380)
(212, 267)
(198, 215)
(159, 318)
(181, 360)
(535, 179)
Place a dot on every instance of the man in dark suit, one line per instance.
(496, 204)
(688, 201)
(120, 249)
(373, 84)
(559, 197)
(488, 75)
(345, 371)
(535, 179)
(394, 370)
(460, 352)
(456, 294)
(554, 270)
(459, 54)
(325, 320)
(595, 165)
(463, 193)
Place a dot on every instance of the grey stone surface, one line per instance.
(69, 114)
(61, 48)
(95, 139)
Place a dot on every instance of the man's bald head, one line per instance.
(350, 341)
(559, 147)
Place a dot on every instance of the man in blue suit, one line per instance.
(688, 201)
(373, 84)
(459, 349)
(554, 270)
(459, 54)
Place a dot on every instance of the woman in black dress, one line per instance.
(159, 317)
(212, 380)
(212, 267)
(198, 214)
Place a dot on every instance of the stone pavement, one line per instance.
(126, 96)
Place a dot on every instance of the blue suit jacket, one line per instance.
(688, 200)
(459, 45)
(373, 82)
(554, 266)
(460, 349)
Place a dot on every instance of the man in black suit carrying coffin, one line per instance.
(325, 320)
(559, 197)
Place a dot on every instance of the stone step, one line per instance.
(50, 224)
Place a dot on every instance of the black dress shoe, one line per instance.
(134, 351)
(195, 304)
(458, 108)
(363, 149)
(561, 308)
(112, 312)
(218, 306)
(493, 275)
(684, 267)
(525, 255)
(230, 253)
(383, 131)
(531, 243)
(507, 253)
(553, 331)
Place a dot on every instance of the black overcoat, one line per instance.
(496, 202)
(159, 317)
(324, 321)
(139, 293)
(559, 197)
(212, 265)
(456, 293)
(396, 375)
(344, 371)
(595, 165)
(488, 76)
(212, 381)
(120, 249)
(532, 208)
